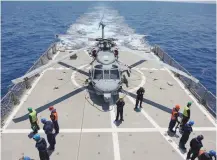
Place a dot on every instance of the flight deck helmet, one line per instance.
(51, 108)
(36, 137)
(177, 107)
(43, 120)
(30, 109)
(26, 158)
(200, 137)
(189, 104)
(212, 153)
(191, 123)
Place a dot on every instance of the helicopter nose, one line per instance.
(106, 86)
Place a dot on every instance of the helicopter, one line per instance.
(106, 73)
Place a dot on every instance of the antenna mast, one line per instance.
(103, 25)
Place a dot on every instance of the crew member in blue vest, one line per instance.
(41, 145)
(187, 129)
(48, 129)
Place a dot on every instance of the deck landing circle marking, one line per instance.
(73, 76)
(142, 82)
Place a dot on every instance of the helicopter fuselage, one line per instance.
(105, 72)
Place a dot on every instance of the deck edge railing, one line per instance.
(15, 92)
(204, 97)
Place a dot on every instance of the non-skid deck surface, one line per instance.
(87, 128)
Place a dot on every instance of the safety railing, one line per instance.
(12, 98)
(205, 97)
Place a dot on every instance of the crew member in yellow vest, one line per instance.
(186, 115)
(33, 120)
(54, 118)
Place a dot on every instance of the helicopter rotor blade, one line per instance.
(42, 68)
(179, 71)
(162, 64)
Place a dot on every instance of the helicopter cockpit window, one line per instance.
(114, 74)
(114, 66)
(98, 74)
(106, 74)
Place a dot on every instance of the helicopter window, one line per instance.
(98, 74)
(114, 66)
(98, 66)
(114, 74)
(106, 74)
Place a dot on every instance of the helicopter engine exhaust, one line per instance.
(116, 52)
(93, 52)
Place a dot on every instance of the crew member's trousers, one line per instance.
(119, 112)
(44, 155)
(51, 140)
(139, 100)
(172, 125)
(194, 154)
(184, 121)
(56, 127)
(184, 139)
(35, 127)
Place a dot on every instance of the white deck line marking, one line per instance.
(59, 68)
(204, 129)
(24, 98)
(162, 132)
(73, 76)
(108, 130)
(88, 55)
(156, 69)
(142, 82)
(202, 108)
(115, 140)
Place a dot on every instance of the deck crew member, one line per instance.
(33, 120)
(174, 118)
(186, 114)
(203, 155)
(41, 145)
(48, 129)
(140, 92)
(187, 129)
(120, 105)
(54, 118)
(195, 145)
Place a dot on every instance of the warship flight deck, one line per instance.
(87, 128)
